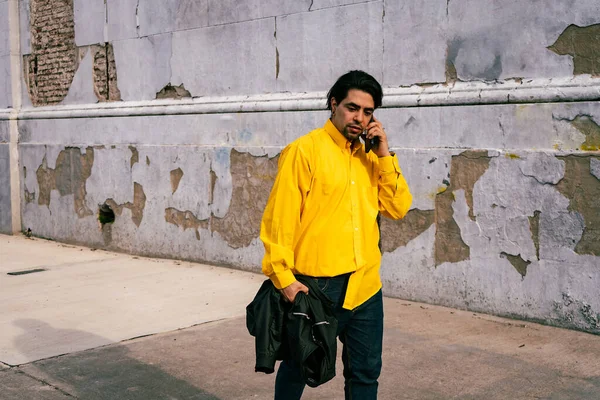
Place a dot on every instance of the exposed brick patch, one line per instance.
(51, 66)
(105, 73)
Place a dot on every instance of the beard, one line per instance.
(350, 135)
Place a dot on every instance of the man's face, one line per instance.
(352, 115)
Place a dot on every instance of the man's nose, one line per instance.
(359, 117)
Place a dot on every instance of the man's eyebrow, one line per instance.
(351, 104)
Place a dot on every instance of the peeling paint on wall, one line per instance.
(583, 191)
(586, 125)
(69, 177)
(517, 262)
(137, 207)
(176, 176)
(397, 233)
(534, 227)
(173, 92)
(253, 178)
(465, 171)
(135, 156)
(583, 44)
(185, 220)
(451, 53)
(213, 182)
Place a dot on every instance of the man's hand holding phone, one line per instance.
(376, 139)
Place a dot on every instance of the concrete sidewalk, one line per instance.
(68, 332)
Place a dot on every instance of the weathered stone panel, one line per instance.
(161, 16)
(144, 66)
(90, 19)
(4, 32)
(215, 54)
(483, 42)
(122, 19)
(310, 60)
(229, 11)
(5, 82)
(414, 42)
(5, 188)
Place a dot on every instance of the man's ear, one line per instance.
(333, 105)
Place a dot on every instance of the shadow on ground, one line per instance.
(103, 373)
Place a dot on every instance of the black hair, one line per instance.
(355, 80)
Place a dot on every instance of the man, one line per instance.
(321, 221)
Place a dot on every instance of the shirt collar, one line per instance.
(339, 139)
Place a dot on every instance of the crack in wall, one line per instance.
(68, 177)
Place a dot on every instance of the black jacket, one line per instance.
(305, 331)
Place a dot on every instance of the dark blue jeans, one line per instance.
(361, 332)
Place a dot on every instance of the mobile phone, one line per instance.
(369, 143)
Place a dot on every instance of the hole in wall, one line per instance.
(105, 214)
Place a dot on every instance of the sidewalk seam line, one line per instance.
(19, 371)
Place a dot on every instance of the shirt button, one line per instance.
(355, 229)
(353, 182)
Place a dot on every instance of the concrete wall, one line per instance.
(492, 107)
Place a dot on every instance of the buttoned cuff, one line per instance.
(282, 279)
(389, 164)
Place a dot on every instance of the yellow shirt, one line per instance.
(320, 219)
